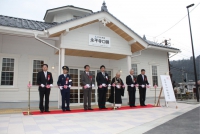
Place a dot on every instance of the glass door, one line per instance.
(76, 92)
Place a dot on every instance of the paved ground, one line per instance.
(188, 123)
(107, 122)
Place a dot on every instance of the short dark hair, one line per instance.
(86, 66)
(45, 65)
(102, 66)
(142, 70)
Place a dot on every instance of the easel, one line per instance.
(166, 103)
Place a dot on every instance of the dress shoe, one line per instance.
(41, 111)
(144, 105)
(47, 111)
(63, 110)
(85, 109)
(68, 110)
(90, 109)
(134, 106)
(104, 108)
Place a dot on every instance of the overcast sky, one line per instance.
(149, 17)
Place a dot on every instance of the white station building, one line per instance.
(74, 37)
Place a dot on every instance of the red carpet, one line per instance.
(82, 110)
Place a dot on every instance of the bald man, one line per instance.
(131, 82)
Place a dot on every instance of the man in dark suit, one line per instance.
(103, 83)
(64, 83)
(87, 82)
(131, 82)
(143, 82)
(45, 82)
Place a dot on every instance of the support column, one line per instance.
(62, 63)
(62, 58)
(128, 58)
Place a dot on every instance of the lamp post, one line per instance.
(195, 72)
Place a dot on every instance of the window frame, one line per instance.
(158, 74)
(34, 88)
(13, 87)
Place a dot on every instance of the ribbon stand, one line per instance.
(29, 87)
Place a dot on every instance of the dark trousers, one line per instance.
(44, 92)
(131, 93)
(142, 92)
(102, 97)
(65, 99)
(87, 98)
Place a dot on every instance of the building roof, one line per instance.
(24, 23)
(66, 7)
(159, 45)
(40, 26)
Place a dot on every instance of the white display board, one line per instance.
(98, 40)
(167, 87)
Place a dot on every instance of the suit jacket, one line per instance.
(141, 81)
(85, 79)
(101, 79)
(42, 80)
(130, 81)
(62, 80)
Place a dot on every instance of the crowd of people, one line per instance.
(64, 82)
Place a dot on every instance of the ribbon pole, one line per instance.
(29, 87)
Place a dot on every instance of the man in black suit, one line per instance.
(45, 82)
(103, 83)
(131, 82)
(143, 82)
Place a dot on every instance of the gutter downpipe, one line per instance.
(35, 34)
(140, 52)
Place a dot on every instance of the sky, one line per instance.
(156, 19)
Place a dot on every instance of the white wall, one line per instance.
(79, 39)
(26, 49)
(148, 58)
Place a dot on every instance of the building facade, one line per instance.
(74, 37)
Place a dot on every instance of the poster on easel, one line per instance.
(167, 88)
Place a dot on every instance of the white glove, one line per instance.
(88, 85)
(117, 86)
(51, 85)
(103, 85)
(132, 85)
(142, 86)
(61, 88)
(70, 80)
(42, 85)
(92, 85)
(69, 86)
(109, 85)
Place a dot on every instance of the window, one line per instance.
(7, 71)
(37, 67)
(134, 67)
(155, 75)
(74, 76)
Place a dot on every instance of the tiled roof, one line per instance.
(24, 23)
(40, 26)
(159, 45)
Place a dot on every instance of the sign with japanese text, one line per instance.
(98, 40)
(167, 87)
